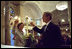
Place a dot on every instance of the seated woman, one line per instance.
(18, 34)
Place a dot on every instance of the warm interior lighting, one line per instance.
(66, 29)
(4, 10)
(16, 17)
(19, 19)
(62, 20)
(62, 6)
(29, 19)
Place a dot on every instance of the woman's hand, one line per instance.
(16, 22)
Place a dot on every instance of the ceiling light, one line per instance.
(62, 6)
(62, 20)
(66, 29)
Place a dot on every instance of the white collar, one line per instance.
(48, 23)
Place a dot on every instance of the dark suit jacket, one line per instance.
(51, 37)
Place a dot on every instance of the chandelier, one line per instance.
(62, 5)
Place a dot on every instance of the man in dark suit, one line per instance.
(51, 33)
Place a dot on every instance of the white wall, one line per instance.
(30, 9)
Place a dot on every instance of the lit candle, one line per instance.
(16, 17)
(27, 24)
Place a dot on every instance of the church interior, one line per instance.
(33, 10)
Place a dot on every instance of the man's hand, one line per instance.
(32, 24)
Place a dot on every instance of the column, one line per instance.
(69, 14)
(7, 27)
(2, 23)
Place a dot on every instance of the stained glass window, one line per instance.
(11, 15)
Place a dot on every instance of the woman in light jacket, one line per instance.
(18, 34)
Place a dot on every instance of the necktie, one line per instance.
(45, 28)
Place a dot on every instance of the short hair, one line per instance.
(48, 14)
(19, 25)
